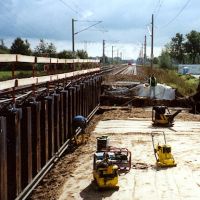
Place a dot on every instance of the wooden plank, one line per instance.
(32, 59)
(43, 60)
(61, 61)
(8, 58)
(76, 60)
(7, 84)
(26, 59)
(69, 61)
(28, 81)
(54, 60)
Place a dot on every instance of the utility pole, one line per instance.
(73, 33)
(152, 35)
(73, 49)
(145, 49)
(103, 59)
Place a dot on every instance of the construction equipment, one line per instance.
(105, 172)
(102, 143)
(163, 155)
(162, 118)
(120, 156)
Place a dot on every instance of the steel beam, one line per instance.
(26, 146)
(56, 121)
(3, 160)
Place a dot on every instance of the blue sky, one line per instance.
(124, 23)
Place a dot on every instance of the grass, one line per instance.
(6, 75)
(185, 84)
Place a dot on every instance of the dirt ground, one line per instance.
(71, 178)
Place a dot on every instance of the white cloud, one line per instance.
(125, 20)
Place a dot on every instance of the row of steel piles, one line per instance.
(33, 133)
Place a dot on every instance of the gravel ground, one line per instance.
(72, 175)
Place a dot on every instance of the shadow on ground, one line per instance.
(91, 192)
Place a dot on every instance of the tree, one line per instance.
(45, 49)
(82, 54)
(51, 50)
(155, 60)
(67, 54)
(3, 48)
(176, 48)
(20, 46)
(165, 59)
(192, 45)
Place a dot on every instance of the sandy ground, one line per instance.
(71, 178)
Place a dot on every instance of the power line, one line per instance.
(174, 18)
(159, 7)
(68, 6)
(89, 21)
(98, 22)
(156, 6)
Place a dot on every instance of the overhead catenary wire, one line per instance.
(156, 7)
(68, 6)
(180, 11)
(159, 7)
(88, 27)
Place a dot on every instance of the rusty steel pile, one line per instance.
(36, 128)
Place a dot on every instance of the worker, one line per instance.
(152, 83)
(79, 121)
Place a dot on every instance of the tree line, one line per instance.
(182, 49)
(44, 49)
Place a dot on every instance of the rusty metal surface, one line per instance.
(56, 122)
(26, 147)
(3, 160)
(61, 121)
(65, 113)
(50, 104)
(39, 131)
(35, 122)
(44, 131)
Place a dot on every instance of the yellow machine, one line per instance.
(105, 173)
(163, 155)
(162, 118)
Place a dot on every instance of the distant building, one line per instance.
(189, 69)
